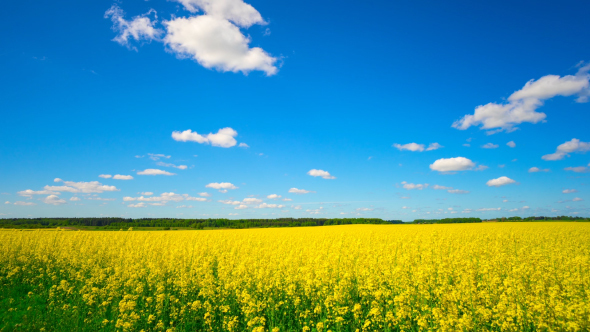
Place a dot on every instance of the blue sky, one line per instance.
(327, 98)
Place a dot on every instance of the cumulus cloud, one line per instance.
(29, 192)
(53, 200)
(578, 169)
(230, 202)
(522, 105)
(236, 11)
(105, 176)
(223, 187)
(488, 209)
(223, 138)
(241, 207)
(452, 164)
(501, 181)
(216, 43)
(511, 144)
(184, 207)
(140, 28)
(205, 194)
(153, 171)
(252, 201)
(300, 191)
(411, 186)
(21, 203)
(243, 145)
(138, 205)
(73, 199)
(569, 191)
(563, 150)
(269, 206)
(81, 187)
(537, 169)
(490, 146)
(273, 196)
(417, 147)
(321, 173)
(122, 177)
(147, 193)
(164, 198)
(161, 163)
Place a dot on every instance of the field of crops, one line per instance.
(484, 277)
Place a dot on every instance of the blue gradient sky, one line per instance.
(352, 79)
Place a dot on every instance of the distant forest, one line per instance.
(172, 223)
(168, 223)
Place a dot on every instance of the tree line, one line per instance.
(167, 223)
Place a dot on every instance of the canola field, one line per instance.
(462, 277)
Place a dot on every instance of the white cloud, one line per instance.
(537, 169)
(563, 150)
(241, 207)
(147, 193)
(417, 147)
(511, 144)
(569, 191)
(139, 28)
(434, 146)
(157, 156)
(105, 176)
(501, 181)
(81, 187)
(269, 206)
(315, 211)
(223, 138)
(230, 202)
(184, 207)
(53, 200)
(523, 104)
(198, 199)
(153, 171)
(29, 192)
(273, 196)
(251, 201)
(205, 194)
(318, 172)
(237, 11)
(490, 146)
(138, 205)
(122, 177)
(164, 198)
(437, 187)
(24, 203)
(410, 147)
(7, 202)
(73, 199)
(216, 43)
(222, 186)
(300, 191)
(296, 207)
(481, 168)
(161, 163)
(578, 169)
(410, 186)
(452, 164)
(577, 199)
(286, 199)
(488, 209)
(243, 145)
